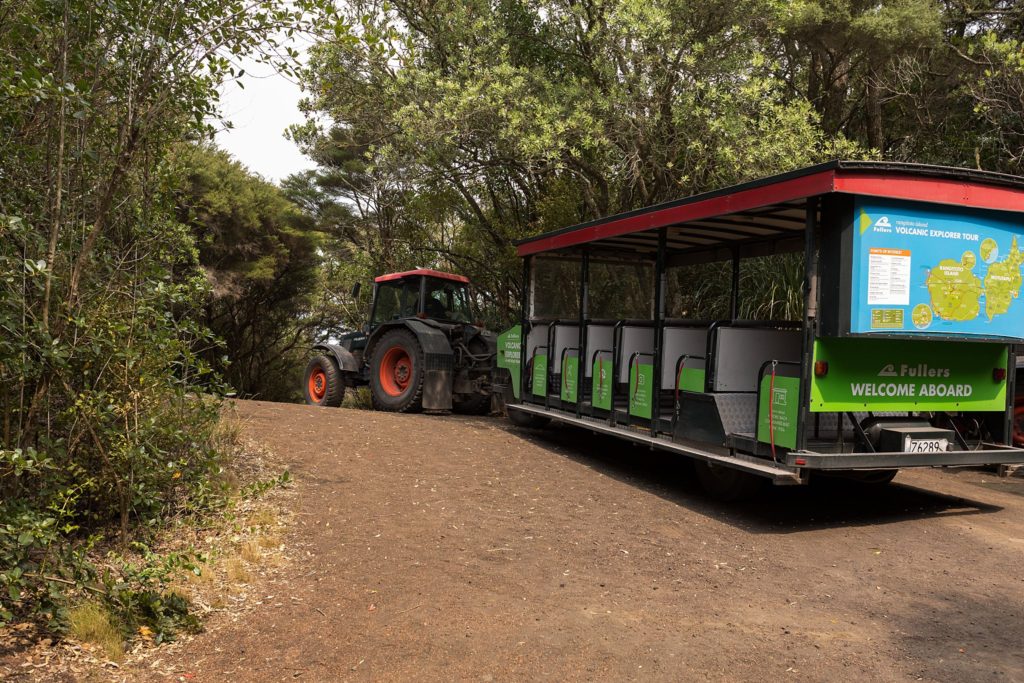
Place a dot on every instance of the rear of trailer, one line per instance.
(903, 355)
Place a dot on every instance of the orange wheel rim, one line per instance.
(318, 384)
(395, 371)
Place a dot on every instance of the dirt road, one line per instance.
(462, 549)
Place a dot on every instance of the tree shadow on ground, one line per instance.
(827, 503)
(959, 637)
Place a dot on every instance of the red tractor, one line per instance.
(420, 351)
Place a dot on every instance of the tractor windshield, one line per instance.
(447, 300)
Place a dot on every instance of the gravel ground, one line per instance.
(449, 548)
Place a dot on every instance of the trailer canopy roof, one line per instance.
(769, 215)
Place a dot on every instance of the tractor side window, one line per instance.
(447, 300)
(394, 300)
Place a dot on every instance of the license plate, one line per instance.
(927, 445)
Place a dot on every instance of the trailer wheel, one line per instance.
(324, 385)
(528, 420)
(876, 477)
(396, 373)
(726, 483)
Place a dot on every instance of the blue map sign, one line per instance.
(936, 270)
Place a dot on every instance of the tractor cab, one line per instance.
(420, 293)
(420, 350)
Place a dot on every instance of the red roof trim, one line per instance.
(743, 200)
(934, 190)
(855, 180)
(423, 271)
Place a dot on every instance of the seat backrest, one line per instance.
(739, 353)
(538, 336)
(634, 339)
(598, 337)
(679, 341)
(566, 336)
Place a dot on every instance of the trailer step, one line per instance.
(778, 473)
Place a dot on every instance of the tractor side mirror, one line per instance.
(356, 288)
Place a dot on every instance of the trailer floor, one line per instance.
(450, 548)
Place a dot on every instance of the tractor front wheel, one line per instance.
(323, 385)
(396, 373)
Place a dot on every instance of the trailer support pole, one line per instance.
(659, 327)
(810, 317)
(581, 368)
(524, 328)
(734, 297)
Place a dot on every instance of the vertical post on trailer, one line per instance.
(659, 327)
(1011, 391)
(581, 370)
(734, 298)
(524, 331)
(810, 317)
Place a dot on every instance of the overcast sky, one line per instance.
(260, 113)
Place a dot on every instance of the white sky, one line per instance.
(260, 113)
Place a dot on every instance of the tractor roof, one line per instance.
(422, 271)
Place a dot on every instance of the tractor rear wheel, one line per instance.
(396, 373)
(323, 385)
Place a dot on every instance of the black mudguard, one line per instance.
(346, 361)
(439, 370)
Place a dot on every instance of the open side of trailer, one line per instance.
(901, 353)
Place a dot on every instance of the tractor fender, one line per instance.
(439, 362)
(346, 361)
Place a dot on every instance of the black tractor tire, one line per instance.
(396, 372)
(727, 484)
(323, 386)
(528, 420)
(472, 404)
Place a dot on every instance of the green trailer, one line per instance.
(906, 280)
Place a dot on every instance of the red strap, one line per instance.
(679, 377)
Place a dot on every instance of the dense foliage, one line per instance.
(108, 414)
(454, 128)
(259, 253)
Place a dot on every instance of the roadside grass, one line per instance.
(91, 622)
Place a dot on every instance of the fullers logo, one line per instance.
(883, 224)
(919, 370)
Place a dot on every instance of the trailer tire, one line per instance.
(726, 483)
(528, 420)
(324, 385)
(396, 372)
(870, 477)
(472, 404)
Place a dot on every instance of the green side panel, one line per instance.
(641, 387)
(570, 378)
(510, 343)
(778, 410)
(692, 379)
(540, 374)
(602, 388)
(913, 375)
